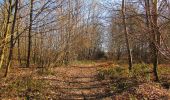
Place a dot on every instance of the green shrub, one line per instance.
(122, 85)
(101, 74)
(45, 71)
(112, 72)
(119, 71)
(132, 97)
(141, 72)
(28, 88)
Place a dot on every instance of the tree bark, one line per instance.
(151, 23)
(29, 35)
(11, 40)
(126, 35)
(6, 33)
(156, 39)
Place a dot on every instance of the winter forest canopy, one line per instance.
(47, 34)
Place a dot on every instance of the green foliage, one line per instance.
(132, 97)
(101, 74)
(164, 69)
(45, 71)
(119, 71)
(28, 88)
(82, 62)
(122, 84)
(141, 72)
(111, 72)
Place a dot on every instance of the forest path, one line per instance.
(80, 83)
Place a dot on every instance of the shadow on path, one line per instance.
(80, 83)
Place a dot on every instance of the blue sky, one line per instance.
(1, 1)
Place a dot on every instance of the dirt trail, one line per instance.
(79, 83)
(76, 82)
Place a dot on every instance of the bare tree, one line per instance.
(29, 33)
(126, 35)
(12, 39)
(6, 32)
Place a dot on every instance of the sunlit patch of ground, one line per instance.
(81, 81)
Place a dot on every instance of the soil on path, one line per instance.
(79, 83)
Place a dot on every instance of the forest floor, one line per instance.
(80, 81)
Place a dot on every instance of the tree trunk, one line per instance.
(11, 40)
(6, 33)
(126, 35)
(151, 22)
(156, 39)
(29, 35)
(18, 50)
(119, 53)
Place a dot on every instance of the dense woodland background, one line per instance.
(51, 33)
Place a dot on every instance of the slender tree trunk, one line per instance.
(29, 34)
(151, 22)
(68, 37)
(126, 35)
(18, 49)
(118, 53)
(18, 41)
(35, 44)
(11, 40)
(6, 33)
(156, 39)
(148, 19)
